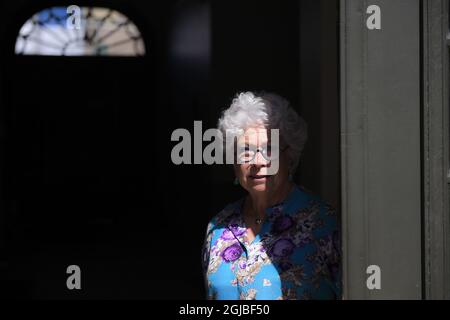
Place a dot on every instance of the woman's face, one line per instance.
(254, 175)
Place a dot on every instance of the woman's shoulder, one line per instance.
(306, 198)
(318, 209)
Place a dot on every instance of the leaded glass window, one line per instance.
(79, 31)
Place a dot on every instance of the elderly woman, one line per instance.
(279, 241)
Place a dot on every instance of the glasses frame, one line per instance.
(263, 152)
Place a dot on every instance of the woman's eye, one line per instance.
(245, 150)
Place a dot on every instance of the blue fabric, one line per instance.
(296, 255)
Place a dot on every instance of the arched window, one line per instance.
(79, 31)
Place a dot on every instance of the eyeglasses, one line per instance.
(247, 153)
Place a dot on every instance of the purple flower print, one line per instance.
(283, 248)
(326, 245)
(232, 231)
(227, 235)
(307, 224)
(242, 265)
(282, 223)
(303, 239)
(232, 253)
(237, 230)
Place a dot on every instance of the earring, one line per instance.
(236, 181)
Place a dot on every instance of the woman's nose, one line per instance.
(260, 160)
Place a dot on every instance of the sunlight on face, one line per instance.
(254, 175)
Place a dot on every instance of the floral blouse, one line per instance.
(296, 255)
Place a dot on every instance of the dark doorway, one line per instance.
(87, 177)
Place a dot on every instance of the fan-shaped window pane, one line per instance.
(79, 31)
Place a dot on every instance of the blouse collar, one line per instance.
(292, 198)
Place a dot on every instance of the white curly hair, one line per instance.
(270, 110)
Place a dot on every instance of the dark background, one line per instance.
(86, 176)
